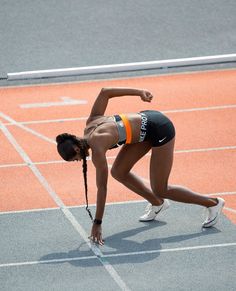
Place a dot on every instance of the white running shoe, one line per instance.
(214, 213)
(152, 211)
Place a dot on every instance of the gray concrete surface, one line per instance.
(37, 35)
(139, 252)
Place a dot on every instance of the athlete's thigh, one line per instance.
(160, 166)
(129, 155)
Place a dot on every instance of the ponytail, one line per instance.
(66, 150)
(86, 185)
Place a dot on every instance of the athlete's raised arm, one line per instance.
(101, 102)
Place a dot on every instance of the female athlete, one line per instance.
(138, 133)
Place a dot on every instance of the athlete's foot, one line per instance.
(151, 211)
(214, 213)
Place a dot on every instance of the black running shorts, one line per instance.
(159, 128)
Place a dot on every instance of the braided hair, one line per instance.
(65, 147)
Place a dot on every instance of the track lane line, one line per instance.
(107, 204)
(113, 157)
(8, 118)
(138, 253)
(230, 106)
(230, 209)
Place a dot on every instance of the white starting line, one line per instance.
(107, 256)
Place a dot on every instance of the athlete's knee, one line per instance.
(117, 174)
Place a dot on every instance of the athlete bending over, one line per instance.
(138, 133)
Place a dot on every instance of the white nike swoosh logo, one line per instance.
(161, 140)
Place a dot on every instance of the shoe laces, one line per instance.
(205, 213)
(148, 207)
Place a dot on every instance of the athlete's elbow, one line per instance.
(106, 92)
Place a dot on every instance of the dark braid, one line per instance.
(65, 148)
(85, 184)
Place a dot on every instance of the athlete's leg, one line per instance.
(160, 168)
(121, 170)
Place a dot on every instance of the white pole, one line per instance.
(122, 67)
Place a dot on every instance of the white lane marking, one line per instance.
(35, 210)
(174, 250)
(26, 128)
(63, 208)
(109, 203)
(205, 150)
(49, 121)
(65, 101)
(221, 193)
(69, 207)
(201, 109)
(105, 256)
(35, 163)
(230, 209)
(52, 261)
(113, 157)
(164, 111)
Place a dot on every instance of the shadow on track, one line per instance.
(121, 243)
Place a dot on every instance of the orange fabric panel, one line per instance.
(127, 128)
